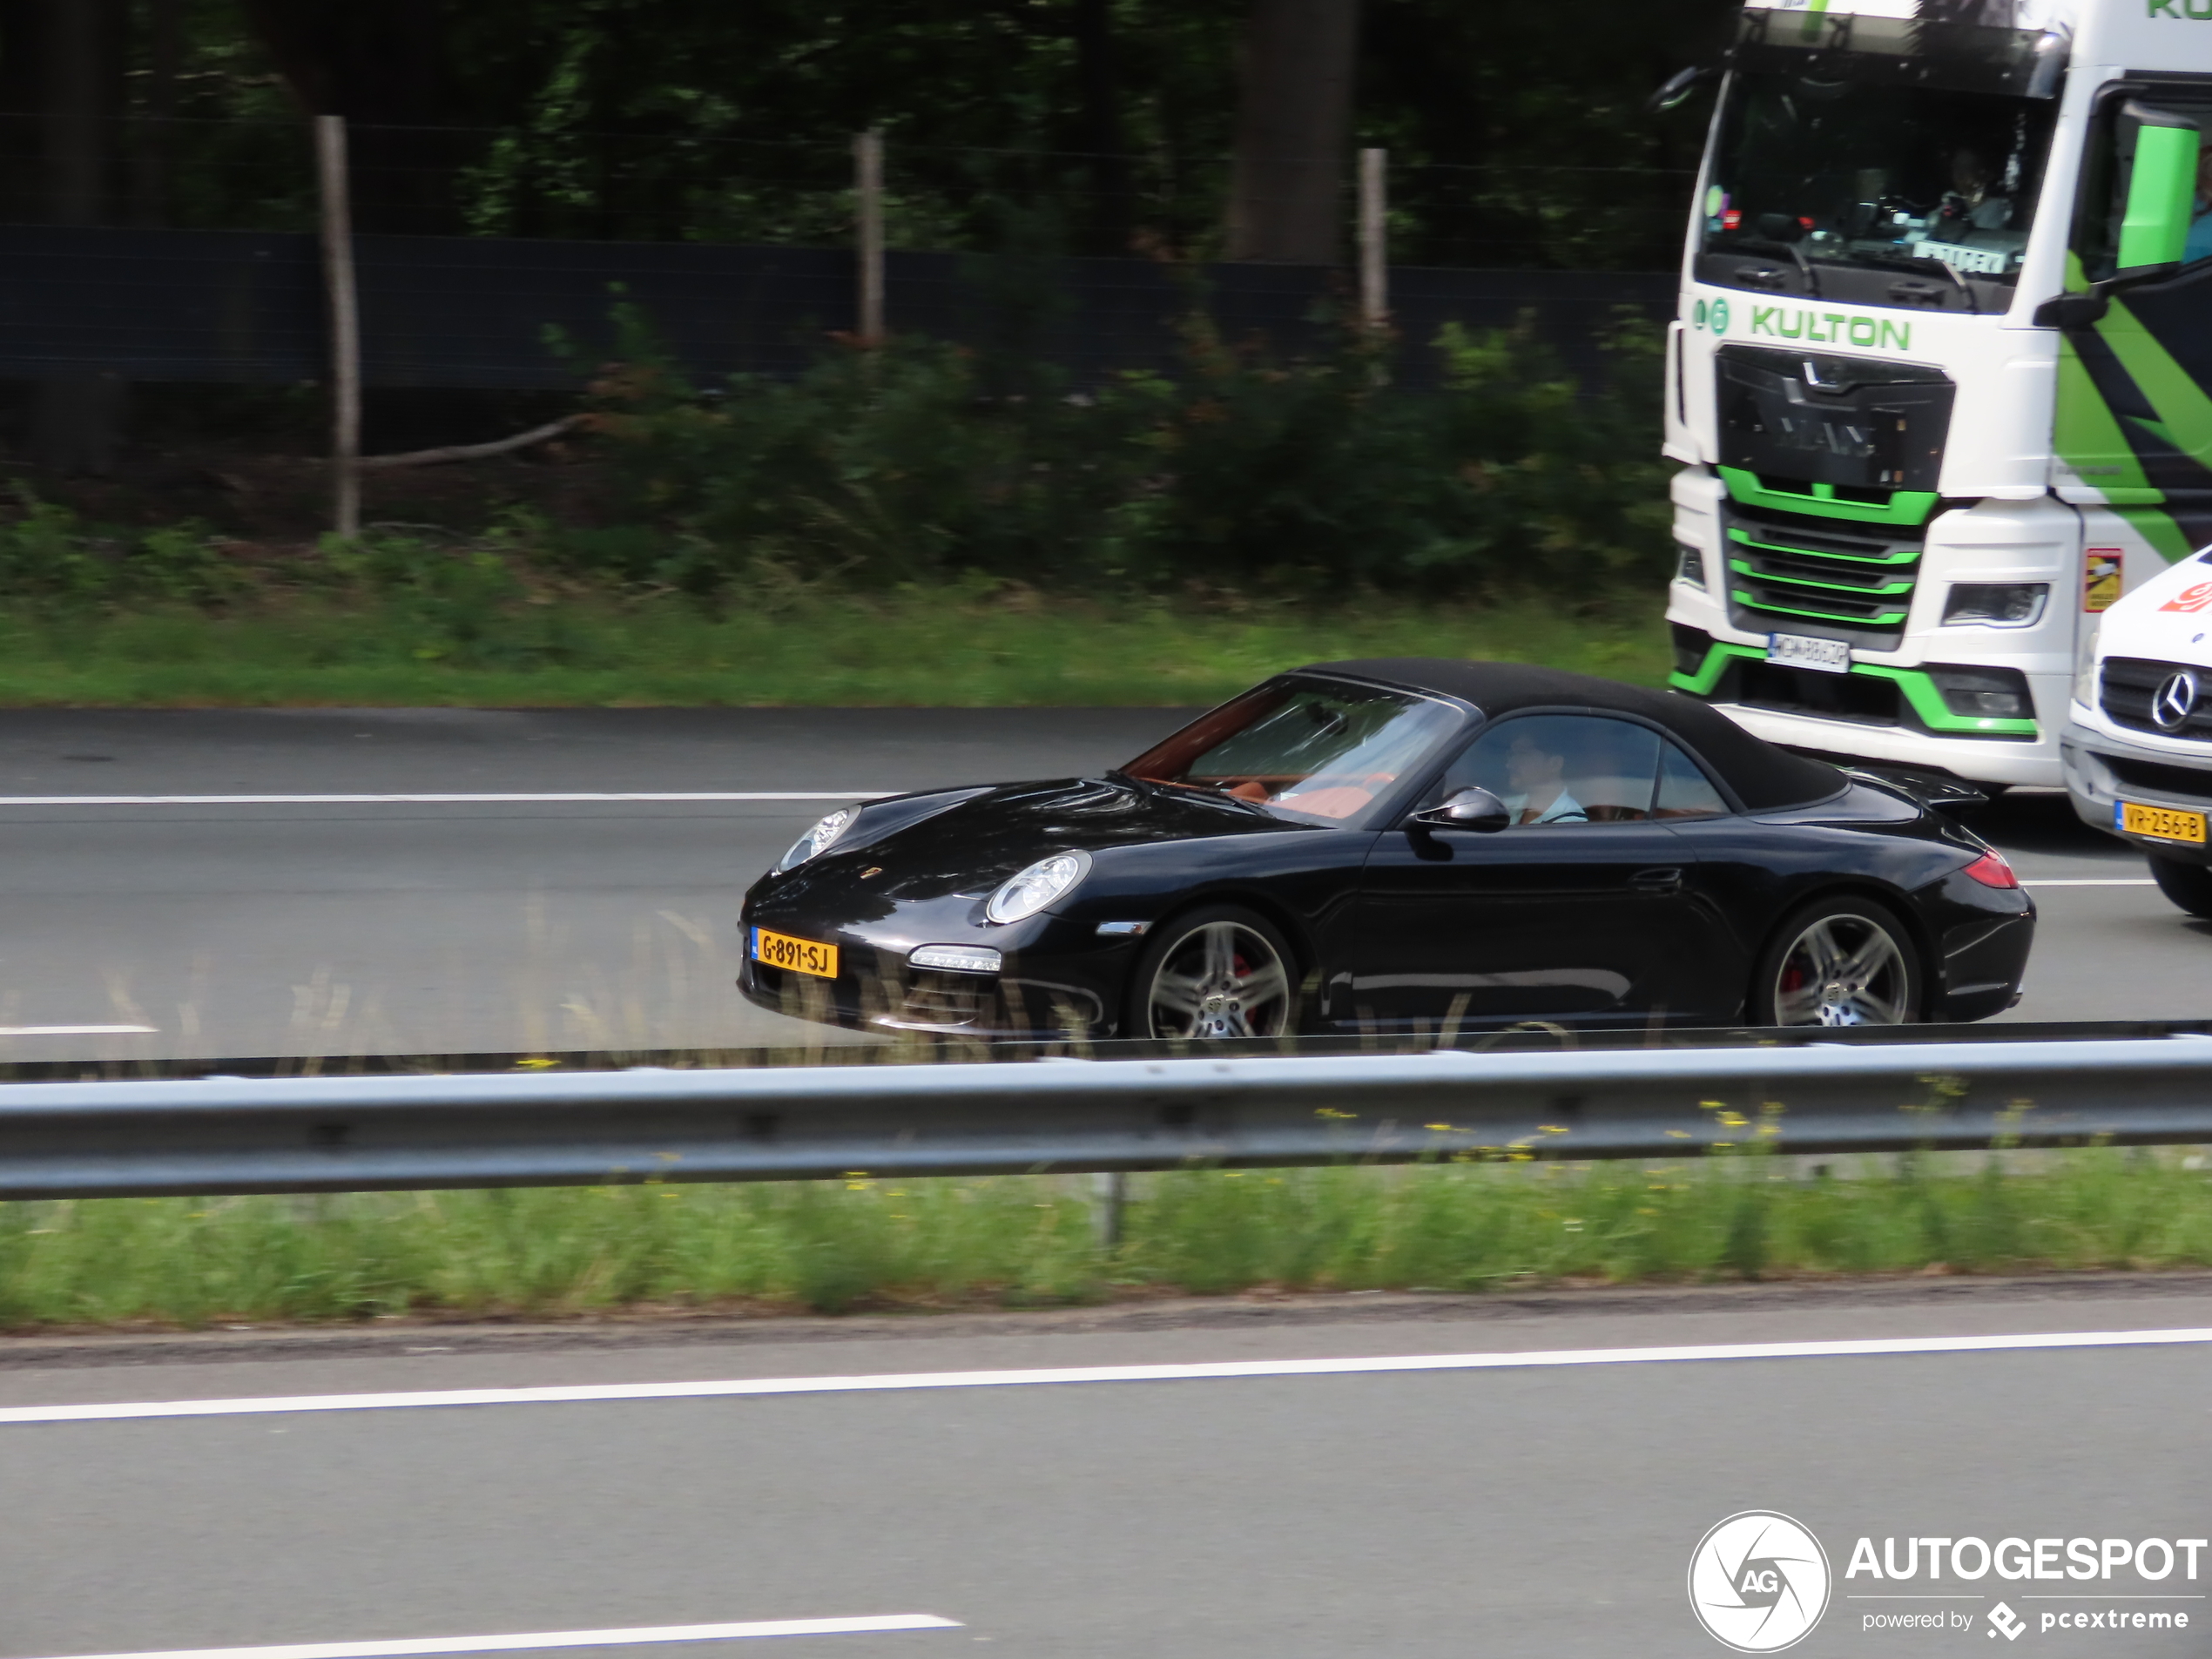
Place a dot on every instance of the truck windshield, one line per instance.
(1929, 148)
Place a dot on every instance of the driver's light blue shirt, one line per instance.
(2199, 245)
(1564, 809)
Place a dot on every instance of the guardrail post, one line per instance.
(1109, 1195)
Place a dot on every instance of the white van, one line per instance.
(2136, 751)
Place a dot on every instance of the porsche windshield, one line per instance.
(1927, 143)
(1303, 748)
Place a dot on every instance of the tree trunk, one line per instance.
(1110, 220)
(383, 68)
(1293, 121)
(76, 415)
(153, 136)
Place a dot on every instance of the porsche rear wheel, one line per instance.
(1219, 972)
(1838, 962)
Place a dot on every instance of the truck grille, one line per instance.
(1819, 577)
(2129, 688)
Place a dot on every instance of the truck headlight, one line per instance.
(1037, 886)
(1997, 605)
(818, 839)
(1690, 567)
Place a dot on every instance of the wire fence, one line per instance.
(498, 258)
(676, 185)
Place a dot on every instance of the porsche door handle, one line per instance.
(1665, 880)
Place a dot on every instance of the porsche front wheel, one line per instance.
(1840, 961)
(1218, 972)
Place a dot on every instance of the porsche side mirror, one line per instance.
(1467, 809)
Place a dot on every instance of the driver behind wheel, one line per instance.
(1536, 784)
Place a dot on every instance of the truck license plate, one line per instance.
(1802, 650)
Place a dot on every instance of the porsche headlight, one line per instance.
(820, 838)
(1037, 886)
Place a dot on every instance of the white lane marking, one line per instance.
(431, 800)
(76, 1030)
(2087, 881)
(561, 1639)
(1208, 1371)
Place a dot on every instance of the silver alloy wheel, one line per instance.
(1843, 970)
(1222, 979)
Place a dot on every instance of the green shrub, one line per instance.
(912, 463)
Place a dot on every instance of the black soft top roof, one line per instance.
(1763, 776)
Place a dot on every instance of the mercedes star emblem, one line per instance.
(2175, 696)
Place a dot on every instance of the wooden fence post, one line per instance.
(1374, 267)
(868, 168)
(345, 323)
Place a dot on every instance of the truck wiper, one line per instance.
(1922, 262)
(1805, 265)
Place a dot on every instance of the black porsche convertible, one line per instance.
(1394, 845)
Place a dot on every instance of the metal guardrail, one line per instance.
(229, 1135)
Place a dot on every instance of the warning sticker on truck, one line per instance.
(2099, 578)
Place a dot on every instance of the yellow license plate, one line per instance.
(800, 955)
(2161, 821)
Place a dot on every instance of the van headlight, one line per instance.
(1037, 886)
(818, 839)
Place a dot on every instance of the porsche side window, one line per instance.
(1563, 769)
(1684, 791)
(1308, 750)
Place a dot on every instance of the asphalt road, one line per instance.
(1549, 1512)
(297, 926)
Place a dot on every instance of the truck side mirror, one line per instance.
(1680, 86)
(2158, 150)
(1467, 809)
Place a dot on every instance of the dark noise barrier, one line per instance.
(475, 312)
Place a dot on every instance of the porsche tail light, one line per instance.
(1991, 870)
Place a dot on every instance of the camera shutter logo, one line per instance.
(1759, 1581)
(2171, 703)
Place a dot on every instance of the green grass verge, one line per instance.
(947, 647)
(1029, 1240)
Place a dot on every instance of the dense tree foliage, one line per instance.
(1517, 134)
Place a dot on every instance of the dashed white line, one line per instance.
(1204, 1372)
(437, 801)
(77, 1030)
(537, 1641)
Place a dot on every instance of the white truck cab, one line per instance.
(1941, 374)
(2138, 747)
